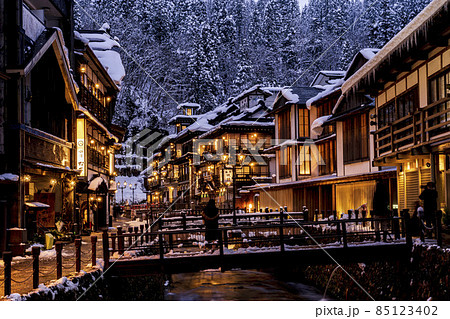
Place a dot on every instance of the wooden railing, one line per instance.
(93, 105)
(422, 126)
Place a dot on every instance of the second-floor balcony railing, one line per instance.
(90, 102)
(97, 159)
(422, 126)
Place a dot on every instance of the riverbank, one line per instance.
(425, 276)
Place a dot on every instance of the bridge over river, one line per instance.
(266, 243)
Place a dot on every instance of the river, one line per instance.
(237, 285)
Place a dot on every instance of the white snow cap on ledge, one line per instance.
(102, 44)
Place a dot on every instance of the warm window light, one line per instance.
(52, 182)
(108, 99)
(125, 183)
(92, 141)
(118, 183)
(27, 178)
(91, 198)
(72, 183)
(99, 199)
(97, 85)
(83, 69)
(250, 206)
(252, 164)
(103, 148)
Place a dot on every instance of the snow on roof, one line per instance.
(317, 125)
(332, 73)
(406, 35)
(298, 95)
(267, 91)
(248, 123)
(369, 53)
(77, 36)
(289, 96)
(102, 44)
(327, 90)
(9, 177)
(194, 105)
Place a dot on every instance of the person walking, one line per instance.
(429, 197)
(211, 220)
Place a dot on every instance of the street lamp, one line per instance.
(132, 187)
(122, 188)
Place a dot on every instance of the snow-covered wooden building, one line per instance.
(410, 81)
(323, 149)
(98, 72)
(37, 162)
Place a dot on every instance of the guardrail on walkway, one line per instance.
(32, 269)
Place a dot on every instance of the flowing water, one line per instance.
(237, 285)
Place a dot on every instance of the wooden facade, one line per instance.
(410, 83)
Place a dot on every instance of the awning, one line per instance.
(36, 205)
(95, 183)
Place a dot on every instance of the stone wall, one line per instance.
(424, 276)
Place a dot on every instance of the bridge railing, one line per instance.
(281, 235)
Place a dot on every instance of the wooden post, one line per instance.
(183, 221)
(338, 231)
(407, 221)
(234, 217)
(130, 236)
(136, 234)
(335, 215)
(225, 238)
(7, 258)
(78, 254)
(396, 224)
(161, 246)
(113, 243)
(316, 215)
(58, 248)
(94, 249)
(344, 234)
(281, 232)
(439, 227)
(120, 240)
(220, 243)
(35, 251)
(105, 239)
(356, 214)
(141, 227)
(170, 241)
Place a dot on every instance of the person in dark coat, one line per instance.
(380, 207)
(211, 220)
(429, 197)
(380, 200)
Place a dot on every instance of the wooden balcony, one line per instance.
(423, 126)
(90, 102)
(98, 160)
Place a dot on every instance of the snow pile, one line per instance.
(9, 177)
(334, 86)
(289, 96)
(317, 125)
(103, 46)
